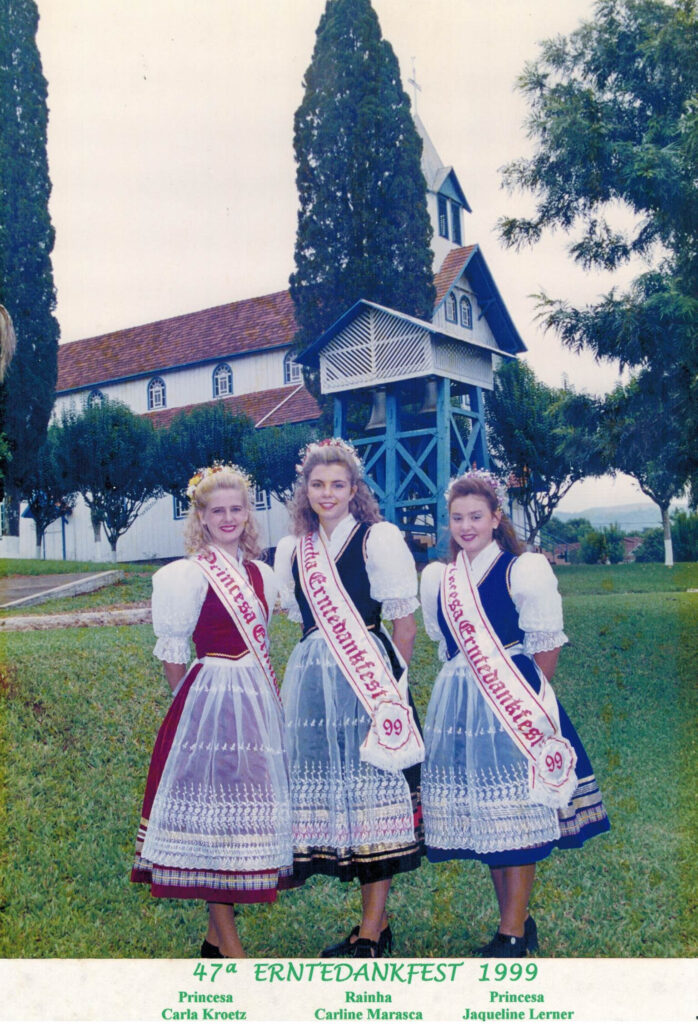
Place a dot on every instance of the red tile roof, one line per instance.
(220, 332)
(451, 269)
(289, 404)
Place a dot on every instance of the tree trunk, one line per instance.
(668, 546)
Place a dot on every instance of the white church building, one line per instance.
(240, 354)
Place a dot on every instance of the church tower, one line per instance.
(409, 393)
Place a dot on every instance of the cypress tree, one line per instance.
(26, 241)
(363, 226)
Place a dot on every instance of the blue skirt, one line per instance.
(475, 783)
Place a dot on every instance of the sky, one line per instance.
(170, 151)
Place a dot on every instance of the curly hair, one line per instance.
(504, 533)
(363, 506)
(196, 534)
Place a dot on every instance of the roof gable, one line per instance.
(235, 328)
(468, 260)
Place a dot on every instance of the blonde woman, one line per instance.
(353, 740)
(216, 820)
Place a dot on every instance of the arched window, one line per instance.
(156, 393)
(466, 312)
(222, 381)
(293, 371)
(451, 311)
(94, 396)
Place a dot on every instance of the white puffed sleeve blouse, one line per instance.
(389, 564)
(533, 588)
(179, 590)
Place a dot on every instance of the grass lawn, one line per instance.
(80, 708)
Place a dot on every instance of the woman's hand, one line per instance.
(547, 662)
(404, 633)
(174, 673)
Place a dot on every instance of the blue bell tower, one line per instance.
(410, 394)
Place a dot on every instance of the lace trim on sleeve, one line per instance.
(398, 607)
(537, 641)
(174, 649)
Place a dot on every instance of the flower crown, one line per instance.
(329, 442)
(216, 467)
(488, 478)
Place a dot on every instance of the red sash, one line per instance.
(532, 720)
(393, 742)
(242, 604)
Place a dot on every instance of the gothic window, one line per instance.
(293, 372)
(451, 311)
(443, 216)
(94, 396)
(156, 393)
(455, 224)
(466, 312)
(222, 381)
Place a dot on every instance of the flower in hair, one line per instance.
(216, 467)
(493, 481)
(329, 442)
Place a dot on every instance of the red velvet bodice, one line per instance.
(216, 635)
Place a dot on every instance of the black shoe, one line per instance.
(209, 950)
(531, 934)
(503, 946)
(365, 948)
(346, 946)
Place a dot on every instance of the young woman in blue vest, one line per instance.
(475, 779)
(351, 820)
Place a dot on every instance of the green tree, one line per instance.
(49, 495)
(199, 437)
(26, 241)
(593, 549)
(614, 120)
(109, 455)
(569, 531)
(274, 455)
(363, 226)
(544, 439)
(644, 437)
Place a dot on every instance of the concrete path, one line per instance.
(18, 591)
(133, 616)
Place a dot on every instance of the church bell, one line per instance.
(377, 419)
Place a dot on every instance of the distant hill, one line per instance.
(629, 518)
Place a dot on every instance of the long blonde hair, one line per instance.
(504, 533)
(363, 506)
(196, 537)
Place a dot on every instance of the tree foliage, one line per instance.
(199, 437)
(569, 531)
(49, 495)
(363, 226)
(274, 457)
(109, 455)
(614, 120)
(684, 537)
(26, 241)
(543, 438)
